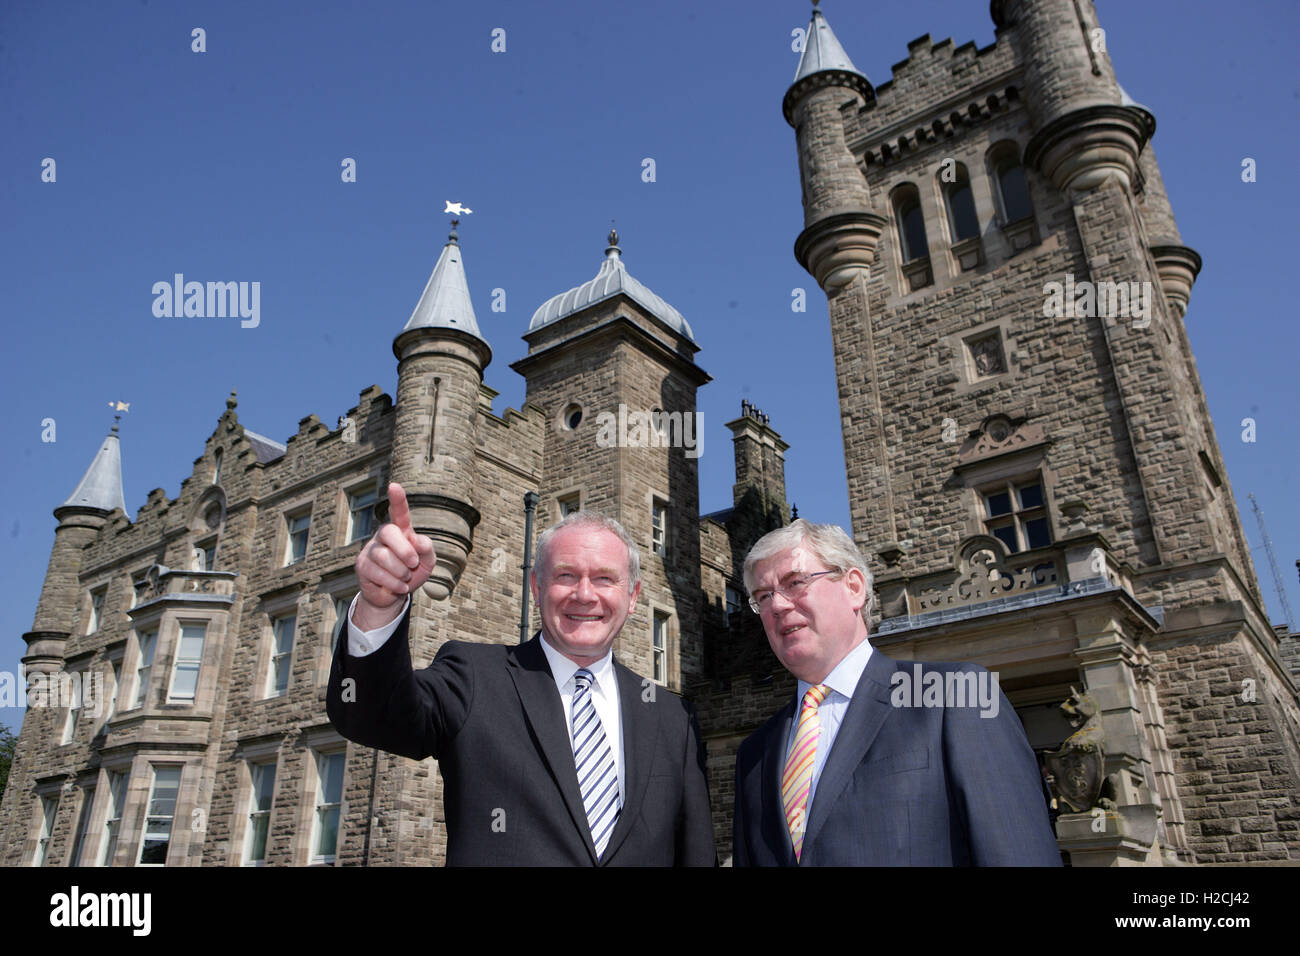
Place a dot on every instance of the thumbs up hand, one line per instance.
(393, 564)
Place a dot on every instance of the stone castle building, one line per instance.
(1032, 471)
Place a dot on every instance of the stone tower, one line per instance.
(97, 497)
(612, 366)
(80, 518)
(87, 510)
(441, 357)
(1029, 454)
(759, 490)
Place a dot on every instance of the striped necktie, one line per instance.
(797, 778)
(597, 775)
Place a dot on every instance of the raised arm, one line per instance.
(393, 564)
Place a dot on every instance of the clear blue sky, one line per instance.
(225, 165)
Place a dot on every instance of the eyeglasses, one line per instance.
(795, 588)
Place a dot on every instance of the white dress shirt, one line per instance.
(361, 643)
(842, 681)
(604, 685)
(604, 696)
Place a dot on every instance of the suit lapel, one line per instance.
(773, 807)
(640, 721)
(862, 722)
(545, 715)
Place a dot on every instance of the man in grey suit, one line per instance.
(860, 768)
(551, 752)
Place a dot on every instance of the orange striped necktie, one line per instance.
(797, 778)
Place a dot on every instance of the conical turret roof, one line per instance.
(822, 51)
(445, 302)
(101, 485)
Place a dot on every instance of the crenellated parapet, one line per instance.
(924, 83)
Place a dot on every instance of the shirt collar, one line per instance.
(563, 669)
(844, 676)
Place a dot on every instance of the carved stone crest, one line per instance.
(1077, 771)
(153, 582)
(983, 577)
(986, 354)
(998, 435)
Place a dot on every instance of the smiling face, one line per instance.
(812, 632)
(582, 592)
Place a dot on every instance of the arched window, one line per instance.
(216, 469)
(911, 223)
(206, 524)
(1009, 176)
(961, 205)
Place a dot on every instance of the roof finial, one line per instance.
(612, 248)
(116, 419)
(454, 236)
(231, 402)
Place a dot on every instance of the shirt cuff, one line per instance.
(361, 643)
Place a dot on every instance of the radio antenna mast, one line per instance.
(1272, 565)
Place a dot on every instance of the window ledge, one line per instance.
(969, 253)
(917, 273)
(1021, 234)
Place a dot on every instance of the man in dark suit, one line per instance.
(551, 752)
(862, 768)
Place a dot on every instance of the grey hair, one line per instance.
(591, 519)
(828, 542)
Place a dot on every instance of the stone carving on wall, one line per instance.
(1076, 772)
(160, 580)
(998, 435)
(983, 577)
(986, 354)
(152, 587)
